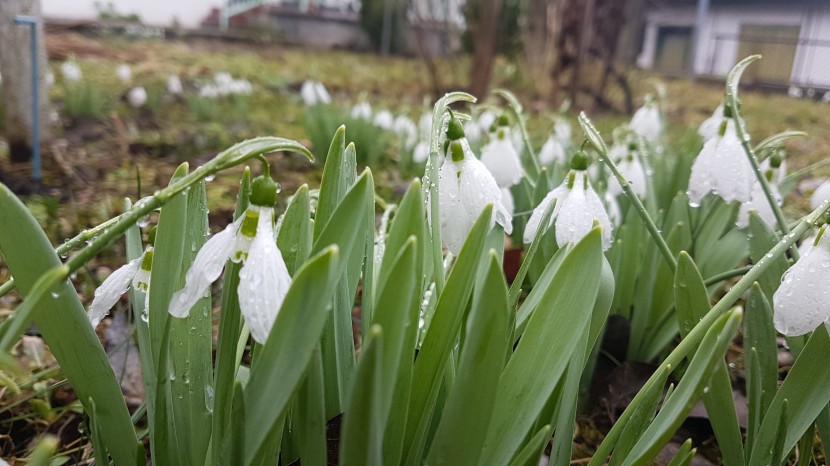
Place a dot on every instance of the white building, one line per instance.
(792, 35)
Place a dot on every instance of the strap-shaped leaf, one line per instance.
(761, 358)
(295, 235)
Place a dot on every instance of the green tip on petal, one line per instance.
(775, 161)
(580, 161)
(456, 151)
(454, 130)
(727, 111)
(264, 192)
(151, 237)
(503, 120)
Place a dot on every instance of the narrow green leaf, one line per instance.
(282, 361)
(684, 454)
(335, 182)
(407, 222)
(459, 437)
(295, 235)
(762, 359)
(63, 323)
(688, 391)
(310, 412)
(690, 296)
(566, 410)
(440, 338)
(531, 453)
(720, 407)
(362, 432)
(761, 240)
(551, 335)
(807, 391)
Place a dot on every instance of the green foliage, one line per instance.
(85, 99)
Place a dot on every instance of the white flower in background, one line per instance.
(821, 194)
(795, 92)
(647, 121)
(613, 208)
(507, 201)
(825, 97)
(420, 153)
(362, 111)
(124, 73)
(174, 85)
(485, 121)
(722, 168)
(425, 125)
(222, 78)
(71, 71)
(465, 188)
(552, 151)
(802, 302)
(577, 207)
(710, 126)
(209, 91)
(771, 168)
(263, 278)
(135, 272)
(240, 87)
(49, 78)
(501, 158)
(314, 92)
(137, 97)
(406, 129)
(562, 130)
(384, 119)
(632, 170)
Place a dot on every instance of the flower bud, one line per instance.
(264, 192)
(454, 130)
(580, 161)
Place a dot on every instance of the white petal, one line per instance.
(532, 227)
(802, 302)
(647, 122)
(821, 194)
(575, 218)
(709, 128)
(502, 160)
(263, 281)
(760, 205)
(421, 152)
(111, 290)
(205, 270)
(478, 188)
(563, 131)
(633, 171)
(454, 220)
(507, 201)
(722, 168)
(597, 210)
(552, 151)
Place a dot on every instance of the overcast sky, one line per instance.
(155, 12)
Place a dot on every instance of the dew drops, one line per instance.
(145, 316)
(210, 178)
(143, 221)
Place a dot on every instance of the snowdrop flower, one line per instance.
(124, 73)
(240, 87)
(314, 92)
(821, 194)
(562, 130)
(135, 272)
(552, 151)
(632, 170)
(501, 158)
(577, 207)
(174, 85)
(485, 121)
(384, 119)
(613, 208)
(802, 302)
(722, 168)
(507, 201)
(362, 111)
(759, 203)
(71, 71)
(209, 91)
(323, 95)
(710, 126)
(465, 188)
(795, 92)
(137, 97)
(406, 129)
(421, 152)
(263, 278)
(222, 78)
(647, 121)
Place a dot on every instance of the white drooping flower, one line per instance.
(405, 128)
(263, 278)
(632, 170)
(174, 85)
(613, 208)
(384, 119)
(71, 71)
(562, 130)
(802, 301)
(314, 92)
(577, 207)
(507, 201)
(362, 111)
(821, 194)
(124, 73)
(552, 151)
(135, 273)
(501, 158)
(647, 121)
(465, 188)
(137, 97)
(722, 168)
(710, 126)
(795, 92)
(771, 168)
(485, 121)
(420, 153)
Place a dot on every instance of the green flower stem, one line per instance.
(516, 110)
(599, 144)
(431, 177)
(732, 82)
(727, 275)
(688, 344)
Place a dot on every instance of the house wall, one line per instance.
(718, 47)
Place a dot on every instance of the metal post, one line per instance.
(32, 22)
(697, 36)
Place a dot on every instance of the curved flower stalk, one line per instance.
(501, 158)
(759, 203)
(647, 121)
(465, 187)
(632, 169)
(135, 273)
(722, 168)
(802, 302)
(577, 207)
(263, 278)
(710, 126)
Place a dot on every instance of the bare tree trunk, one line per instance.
(16, 66)
(485, 39)
(583, 56)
